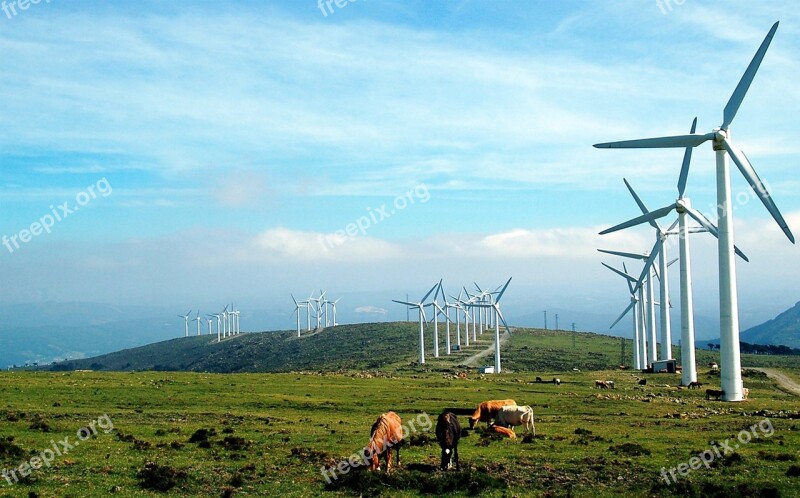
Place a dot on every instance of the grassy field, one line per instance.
(269, 434)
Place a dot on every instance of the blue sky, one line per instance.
(236, 135)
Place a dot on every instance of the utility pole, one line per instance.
(556, 321)
(573, 335)
(408, 310)
(545, 319)
(622, 353)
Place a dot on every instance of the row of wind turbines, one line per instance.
(227, 322)
(481, 309)
(319, 306)
(641, 289)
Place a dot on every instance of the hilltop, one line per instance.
(389, 347)
(371, 346)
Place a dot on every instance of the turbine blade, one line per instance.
(681, 141)
(428, 294)
(625, 254)
(755, 182)
(645, 218)
(649, 263)
(687, 159)
(500, 315)
(413, 305)
(710, 228)
(747, 78)
(503, 291)
(639, 202)
(621, 316)
(625, 269)
(622, 274)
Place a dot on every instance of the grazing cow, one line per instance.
(487, 411)
(713, 366)
(557, 381)
(610, 384)
(511, 416)
(745, 392)
(600, 384)
(713, 393)
(504, 431)
(387, 433)
(448, 432)
(694, 385)
(538, 379)
(642, 382)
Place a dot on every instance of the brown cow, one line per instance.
(694, 385)
(487, 411)
(714, 393)
(503, 430)
(387, 433)
(448, 432)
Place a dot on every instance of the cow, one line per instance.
(745, 392)
(600, 384)
(504, 431)
(642, 382)
(448, 432)
(557, 381)
(610, 384)
(713, 393)
(386, 433)
(511, 416)
(487, 411)
(539, 380)
(694, 385)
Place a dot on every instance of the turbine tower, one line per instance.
(730, 354)
(421, 307)
(186, 321)
(496, 307)
(637, 358)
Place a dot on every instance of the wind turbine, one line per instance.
(421, 307)
(225, 322)
(209, 327)
(297, 307)
(197, 319)
(647, 303)
(683, 207)
(496, 307)
(730, 354)
(332, 304)
(218, 316)
(186, 321)
(637, 357)
(436, 309)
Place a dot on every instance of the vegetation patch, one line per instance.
(630, 449)
(160, 477)
(793, 471)
(9, 450)
(474, 482)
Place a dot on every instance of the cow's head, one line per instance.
(472, 422)
(371, 458)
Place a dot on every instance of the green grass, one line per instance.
(589, 443)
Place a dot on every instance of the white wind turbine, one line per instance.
(446, 312)
(635, 304)
(186, 321)
(219, 328)
(297, 307)
(499, 317)
(436, 310)
(225, 322)
(683, 207)
(647, 305)
(463, 307)
(332, 304)
(421, 308)
(198, 320)
(730, 354)
(209, 327)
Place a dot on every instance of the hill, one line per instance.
(372, 346)
(781, 330)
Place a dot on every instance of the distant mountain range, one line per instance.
(781, 330)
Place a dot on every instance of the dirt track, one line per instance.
(784, 381)
(474, 359)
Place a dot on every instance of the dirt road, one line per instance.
(784, 381)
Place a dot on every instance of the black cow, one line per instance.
(448, 432)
